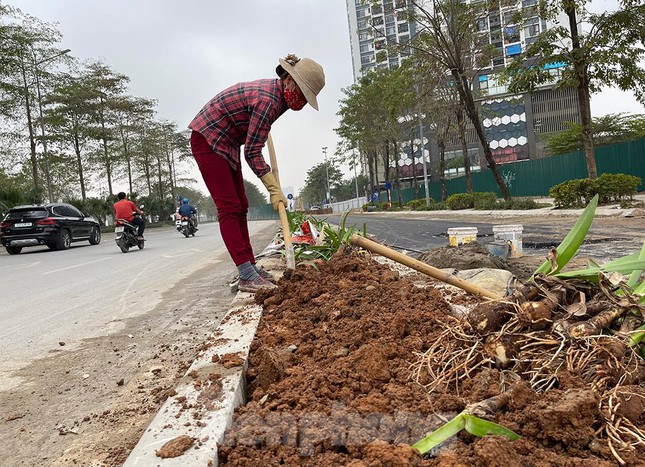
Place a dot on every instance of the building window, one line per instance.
(483, 81)
(511, 34)
(532, 30)
(401, 4)
(367, 58)
(404, 27)
(510, 17)
(390, 31)
(494, 87)
(365, 48)
(378, 45)
(377, 21)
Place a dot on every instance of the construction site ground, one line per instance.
(91, 406)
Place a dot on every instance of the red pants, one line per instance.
(226, 187)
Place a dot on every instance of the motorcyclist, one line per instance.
(124, 208)
(188, 210)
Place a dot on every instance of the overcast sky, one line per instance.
(182, 53)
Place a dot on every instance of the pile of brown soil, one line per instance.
(329, 383)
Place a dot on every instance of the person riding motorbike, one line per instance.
(186, 209)
(124, 208)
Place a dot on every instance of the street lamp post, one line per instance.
(356, 180)
(324, 150)
(422, 147)
(42, 123)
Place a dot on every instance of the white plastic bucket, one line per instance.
(511, 234)
(460, 235)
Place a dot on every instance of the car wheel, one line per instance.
(14, 250)
(64, 240)
(95, 236)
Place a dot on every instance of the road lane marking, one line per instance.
(185, 253)
(75, 266)
(28, 265)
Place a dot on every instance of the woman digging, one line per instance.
(242, 115)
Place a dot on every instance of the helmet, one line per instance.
(185, 200)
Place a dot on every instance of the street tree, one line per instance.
(448, 35)
(127, 114)
(253, 194)
(362, 118)
(594, 50)
(607, 129)
(70, 120)
(109, 87)
(27, 46)
(315, 188)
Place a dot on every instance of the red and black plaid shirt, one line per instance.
(242, 115)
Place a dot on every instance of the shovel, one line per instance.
(288, 247)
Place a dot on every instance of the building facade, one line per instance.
(513, 123)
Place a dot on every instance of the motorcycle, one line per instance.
(126, 235)
(185, 226)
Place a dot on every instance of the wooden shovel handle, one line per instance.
(420, 266)
(282, 211)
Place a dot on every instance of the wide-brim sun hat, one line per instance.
(308, 75)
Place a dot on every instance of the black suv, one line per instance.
(56, 225)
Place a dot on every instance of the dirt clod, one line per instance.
(175, 447)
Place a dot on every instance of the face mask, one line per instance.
(295, 99)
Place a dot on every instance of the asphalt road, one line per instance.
(48, 297)
(413, 235)
(608, 237)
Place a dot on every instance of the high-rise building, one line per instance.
(513, 123)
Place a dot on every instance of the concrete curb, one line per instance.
(201, 409)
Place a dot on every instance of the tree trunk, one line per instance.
(441, 142)
(473, 115)
(414, 170)
(386, 161)
(108, 166)
(584, 99)
(159, 177)
(461, 121)
(442, 168)
(81, 176)
(30, 127)
(396, 172)
(376, 187)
